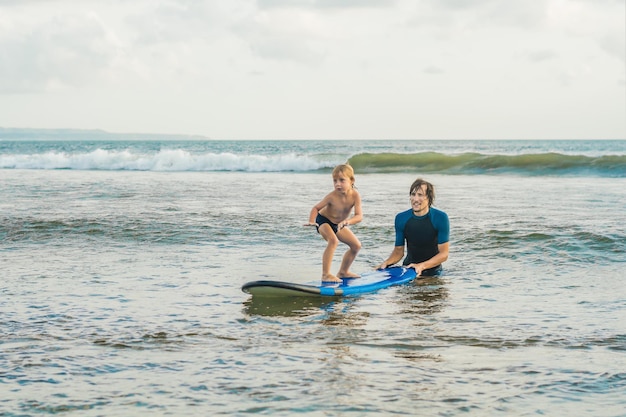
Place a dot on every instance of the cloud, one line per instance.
(68, 50)
(75, 44)
(434, 70)
(600, 21)
(473, 15)
(542, 55)
(325, 4)
(360, 67)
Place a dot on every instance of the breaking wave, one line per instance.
(163, 160)
(476, 163)
(429, 162)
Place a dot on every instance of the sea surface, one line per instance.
(122, 263)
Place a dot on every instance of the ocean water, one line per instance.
(122, 264)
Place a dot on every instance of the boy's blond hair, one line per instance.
(346, 170)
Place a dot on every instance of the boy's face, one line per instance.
(342, 183)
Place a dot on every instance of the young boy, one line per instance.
(330, 217)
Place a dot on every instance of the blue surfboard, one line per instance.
(369, 282)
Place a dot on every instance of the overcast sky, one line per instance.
(317, 69)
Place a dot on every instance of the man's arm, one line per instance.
(396, 256)
(438, 259)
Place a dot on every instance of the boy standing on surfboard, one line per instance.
(331, 216)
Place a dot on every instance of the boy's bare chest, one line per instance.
(342, 202)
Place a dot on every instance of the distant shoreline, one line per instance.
(87, 134)
(17, 133)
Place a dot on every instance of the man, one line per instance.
(424, 229)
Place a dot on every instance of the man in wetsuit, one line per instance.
(424, 229)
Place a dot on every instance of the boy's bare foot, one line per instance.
(348, 275)
(330, 278)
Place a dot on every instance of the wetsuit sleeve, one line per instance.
(400, 223)
(442, 225)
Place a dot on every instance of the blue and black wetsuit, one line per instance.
(422, 234)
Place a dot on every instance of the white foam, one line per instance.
(163, 160)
